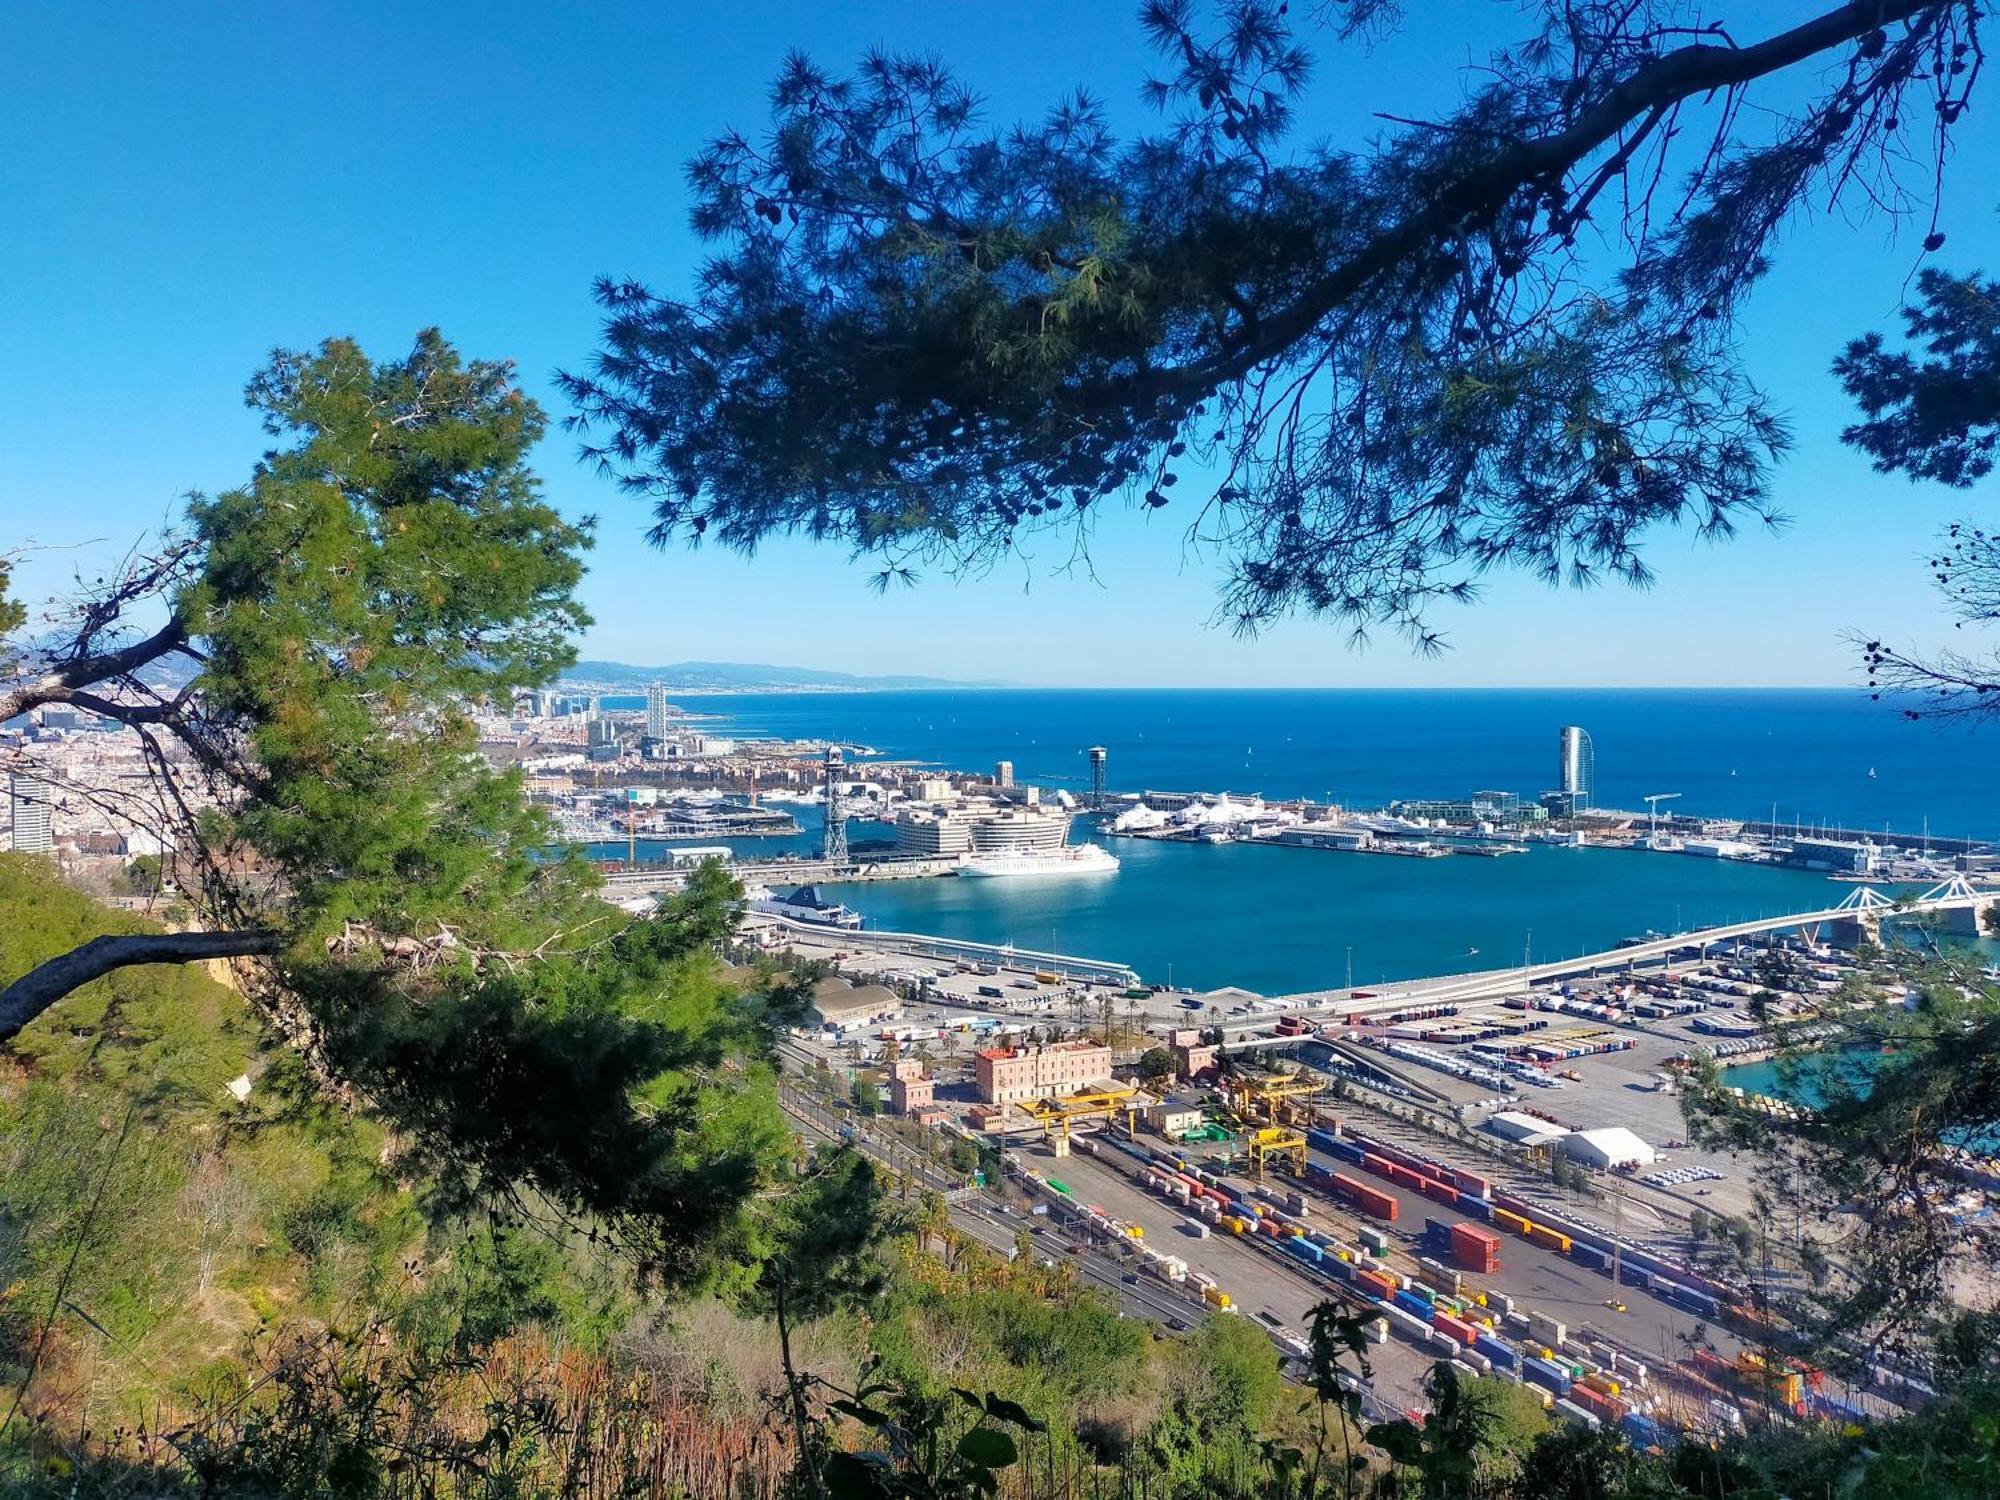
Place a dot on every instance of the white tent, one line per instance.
(1612, 1146)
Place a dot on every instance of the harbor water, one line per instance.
(1280, 920)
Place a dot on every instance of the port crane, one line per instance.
(1267, 1096)
(1276, 1143)
(1056, 1114)
(1653, 816)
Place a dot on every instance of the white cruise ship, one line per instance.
(1075, 859)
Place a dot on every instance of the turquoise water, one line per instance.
(1279, 920)
(1861, 1067)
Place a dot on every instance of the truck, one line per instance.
(992, 992)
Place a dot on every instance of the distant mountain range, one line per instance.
(732, 676)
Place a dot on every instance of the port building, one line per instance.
(1014, 1075)
(1524, 1129)
(1840, 855)
(945, 832)
(1610, 1148)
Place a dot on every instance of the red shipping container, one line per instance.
(1377, 1283)
(1465, 1333)
(1368, 1199)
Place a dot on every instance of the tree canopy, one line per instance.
(391, 563)
(1935, 415)
(1501, 337)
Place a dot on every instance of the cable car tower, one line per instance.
(834, 849)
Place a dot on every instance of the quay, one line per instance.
(952, 950)
(651, 880)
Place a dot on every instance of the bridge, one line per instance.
(1857, 917)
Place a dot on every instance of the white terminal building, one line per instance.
(946, 832)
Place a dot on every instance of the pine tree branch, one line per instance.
(42, 986)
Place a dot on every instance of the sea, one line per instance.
(1279, 920)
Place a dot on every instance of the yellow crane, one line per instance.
(1267, 1095)
(1279, 1144)
(1086, 1105)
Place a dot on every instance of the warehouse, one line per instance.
(1524, 1130)
(1612, 1147)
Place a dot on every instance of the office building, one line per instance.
(656, 711)
(1576, 767)
(33, 827)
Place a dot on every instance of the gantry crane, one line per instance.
(1279, 1143)
(1090, 1103)
(1267, 1096)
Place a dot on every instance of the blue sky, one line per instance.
(188, 186)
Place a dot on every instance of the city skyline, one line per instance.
(493, 225)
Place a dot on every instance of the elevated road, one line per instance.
(1859, 914)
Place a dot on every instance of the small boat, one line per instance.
(1871, 773)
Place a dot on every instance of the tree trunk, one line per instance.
(42, 986)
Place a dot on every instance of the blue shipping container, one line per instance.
(1589, 1255)
(1549, 1376)
(1502, 1353)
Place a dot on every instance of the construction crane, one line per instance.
(1274, 1142)
(1653, 815)
(1087, 1105)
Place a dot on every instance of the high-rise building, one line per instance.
(1096, 778)
(33, 828)
(1003, 773)
(1576, 767)
(656, 711)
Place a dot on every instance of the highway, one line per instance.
(1491, 983)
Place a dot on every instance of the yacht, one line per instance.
(805, 904)
(1073, 859)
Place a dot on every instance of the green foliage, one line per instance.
(1937, 417)
(149, 1222)
(1240, 1384)
(393, 560)
(1872, 1169)
(1156, 1064)
(1389, 367)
